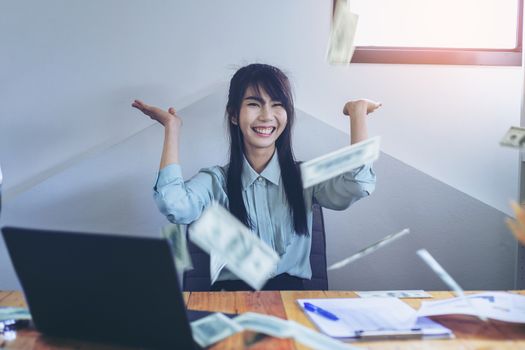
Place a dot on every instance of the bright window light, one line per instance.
(467, 24)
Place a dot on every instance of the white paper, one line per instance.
(357, 314)
(500, 306)
(394, 294)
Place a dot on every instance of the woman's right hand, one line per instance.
(166, 118)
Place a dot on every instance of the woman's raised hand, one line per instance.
(360, 107)
(166, 118)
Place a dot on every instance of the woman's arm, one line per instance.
(181, 201)
(340, 192)
(172, 124)
(357, 111)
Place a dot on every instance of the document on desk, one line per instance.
(394, 293)
(501, 306)
(379, 317)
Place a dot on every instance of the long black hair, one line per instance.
(277, 86)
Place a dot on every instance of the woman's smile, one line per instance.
(263, 131)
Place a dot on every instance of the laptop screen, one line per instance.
(100, 287)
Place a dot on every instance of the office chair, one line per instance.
(199, 279)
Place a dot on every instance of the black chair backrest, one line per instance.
(319, 279)
(199, 279)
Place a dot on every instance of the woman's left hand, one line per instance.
(360, 107)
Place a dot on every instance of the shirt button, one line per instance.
(260, 179)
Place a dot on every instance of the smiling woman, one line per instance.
(470, 32)
(261, 185)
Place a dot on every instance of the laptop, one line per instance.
(101, 287)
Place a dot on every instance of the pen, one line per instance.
(322, 312)
(414, 333)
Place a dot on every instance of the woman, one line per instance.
(262, 184)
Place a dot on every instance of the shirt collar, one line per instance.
(272, 172)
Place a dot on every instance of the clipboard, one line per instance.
(372, 319)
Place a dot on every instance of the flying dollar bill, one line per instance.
(269, 325)
(216, 327)
(342, 34)
(340, 161)
(176, 234)
(370, 249)
(213, 328)
(277, 327)
(515, 137)
(219, 232)
(445, 277)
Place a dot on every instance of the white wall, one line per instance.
(70, 69)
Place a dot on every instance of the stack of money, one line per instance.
(342, 34)
(222, 235)
(338, 162)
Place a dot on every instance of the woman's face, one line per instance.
(261, 120)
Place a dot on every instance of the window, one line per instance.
(471, 32)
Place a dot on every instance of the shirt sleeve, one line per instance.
(340, 192)
(184, 201)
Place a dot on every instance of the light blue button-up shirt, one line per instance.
(265, 200)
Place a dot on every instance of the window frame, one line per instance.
(444, 56)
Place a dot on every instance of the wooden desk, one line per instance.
(470, 332)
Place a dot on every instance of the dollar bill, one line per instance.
(370, 249)
(14, 313)
(445, 277)
(340, 161)
(213, 328)
(219, 232)
(269, 325)
(176, 234)
(342, 34)
(394, 294)
(515, 137)
(277, 327)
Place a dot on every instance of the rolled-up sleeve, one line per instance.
(340, 192)
(183, 201)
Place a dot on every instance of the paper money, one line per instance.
(280, 328)
(445, 277)
(244, 253)
(335, 163)
(370, 249)
(515, 137)
(176, 234)
(394, 294)
(269, 325)
(213, 328)
(14, 313)
(342, 34)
